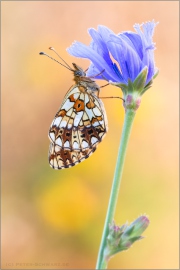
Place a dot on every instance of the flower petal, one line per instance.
(93, 71)
(78, 49)
(136, 42)
(127, 57)
(105, 32)
(148, 46)
(100, 47)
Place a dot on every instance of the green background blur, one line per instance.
(54, 219)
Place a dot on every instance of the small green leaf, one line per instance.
(155, 75)
(130, 86)
(123, 87)
(140, 80)
(129, 230)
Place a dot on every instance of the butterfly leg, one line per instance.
(113, 97)
(104, 85)
(98, 92)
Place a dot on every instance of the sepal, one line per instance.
(139, 82)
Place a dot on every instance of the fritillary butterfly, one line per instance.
(79, 125)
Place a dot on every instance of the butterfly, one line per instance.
(80, 123)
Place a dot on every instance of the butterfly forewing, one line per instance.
(78, 127)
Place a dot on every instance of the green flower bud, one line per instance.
(121, 238)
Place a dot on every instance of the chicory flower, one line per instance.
(122, 57)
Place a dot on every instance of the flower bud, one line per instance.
(121, 238)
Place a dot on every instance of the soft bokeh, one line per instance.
(54, 219)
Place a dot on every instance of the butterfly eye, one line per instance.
(78, 73)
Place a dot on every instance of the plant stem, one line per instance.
(128, 121)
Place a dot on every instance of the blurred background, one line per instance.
(54, 219)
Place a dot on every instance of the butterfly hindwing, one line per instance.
(60, 158)
(77, 129)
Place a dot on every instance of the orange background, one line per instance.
(56, 217)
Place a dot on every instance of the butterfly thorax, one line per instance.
(82, 80)
(86, 83)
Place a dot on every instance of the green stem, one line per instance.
(128, 121)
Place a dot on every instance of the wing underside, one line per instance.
(78, 127)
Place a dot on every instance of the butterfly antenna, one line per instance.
(43, 53)
(52, 49)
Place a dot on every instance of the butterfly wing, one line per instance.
(78, 127)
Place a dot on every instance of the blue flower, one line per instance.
(122, 57)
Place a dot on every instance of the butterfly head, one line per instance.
(78, 72)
